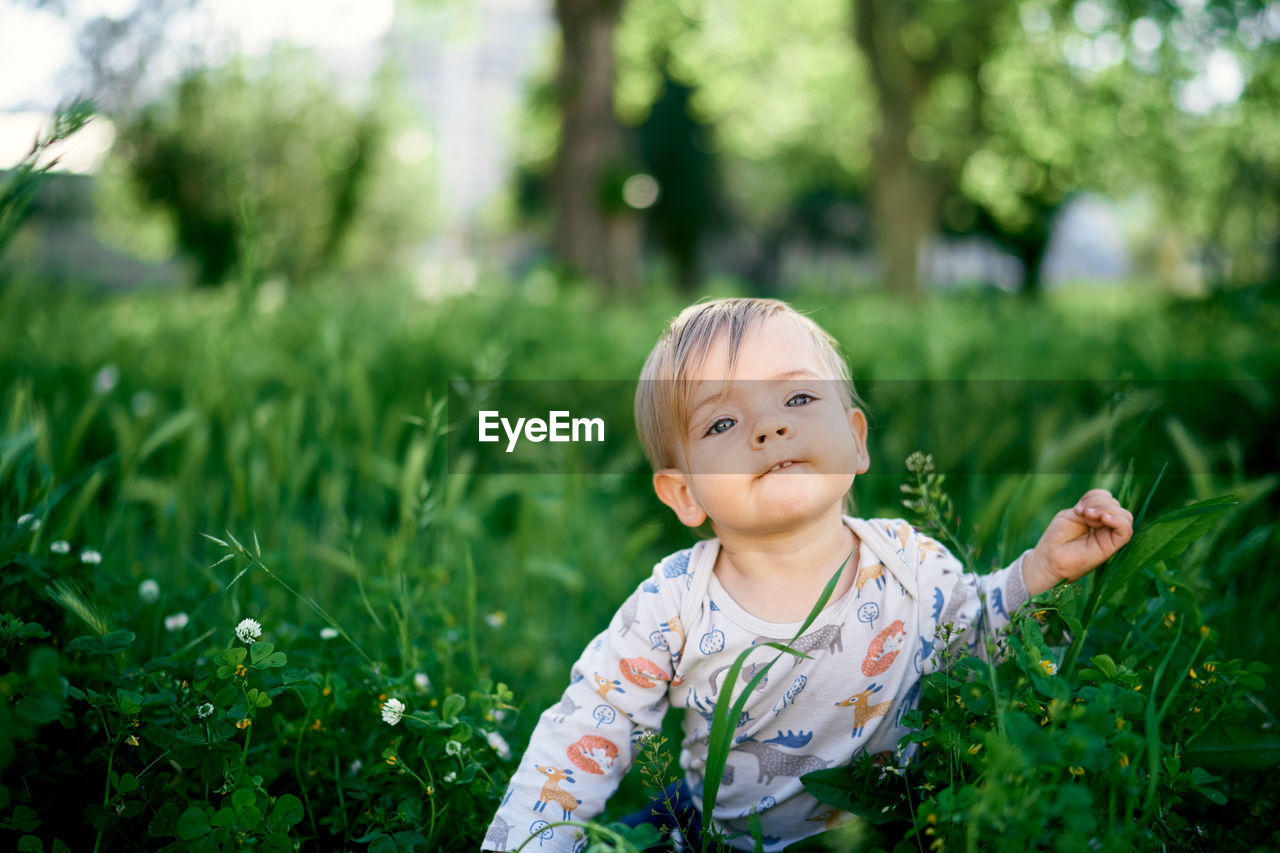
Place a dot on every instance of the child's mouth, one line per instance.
(780, 466)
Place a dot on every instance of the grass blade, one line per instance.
(725, 716)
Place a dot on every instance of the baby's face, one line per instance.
(775, 447)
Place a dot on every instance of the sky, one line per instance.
(40, 67)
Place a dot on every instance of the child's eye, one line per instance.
(720, 425)
(801, 399)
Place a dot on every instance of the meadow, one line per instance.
(254, 596)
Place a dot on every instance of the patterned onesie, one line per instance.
(671, 645)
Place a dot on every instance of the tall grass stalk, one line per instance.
(724, 718)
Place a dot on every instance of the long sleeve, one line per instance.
(583, 746)
(977, 607)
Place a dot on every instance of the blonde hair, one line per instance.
(664, 394)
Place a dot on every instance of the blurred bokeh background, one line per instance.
(845, 144)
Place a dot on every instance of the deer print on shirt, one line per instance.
(863, 711)
(553, 793)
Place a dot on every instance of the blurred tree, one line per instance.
(595, 232)
(265, 171)
(677, 151)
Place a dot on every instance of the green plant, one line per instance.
(20, 186)
(1027, 749)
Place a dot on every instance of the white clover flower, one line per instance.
(498, 745)
(90, 556)
(142, 404)
(248, 630)
(453, 748)
(422, 681)
(327, 633)
(355, 767)
(204, 710)
(176, 621)
(451, 775)
(392, 711)
(106, 378)
(30, 521)
(60, 547)
(149, 591)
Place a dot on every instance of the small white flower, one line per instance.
(142, 403)
(355, 767)
(90, 556)
(328, 633)
(392, 711)
(495, 619)
(498, 745)
(422, 682)
(248, 630)
(29, 520)
(204, 710)
(60, 547)
(176, 621)
(106, 378)
(453, 748)
(451, 775)
(149, 591)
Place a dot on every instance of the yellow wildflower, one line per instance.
(244, 724)
(1049, 667)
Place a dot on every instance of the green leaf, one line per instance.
(285, 812)
(289, 676)
(235, 656)
(277, 842)
(453, 705)
(165, 822)
(274, 660)
(30, 844)
(224, 816)
(128, 783)
(193, 823)
(117, 641)
(382, 844)
(130, 703)
(1165, 538)
(260, 651)
(1106, 664)
(247, 812)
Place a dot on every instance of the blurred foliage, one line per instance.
(264, 170)
(20, 185)
(1043, 100)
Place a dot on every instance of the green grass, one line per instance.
(312, 440)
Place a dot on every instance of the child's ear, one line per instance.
(672, 487)
(858, 429)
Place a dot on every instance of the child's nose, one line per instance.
(778, 429)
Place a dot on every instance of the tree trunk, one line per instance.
(595, 233)
(905, 193)
(904, 203)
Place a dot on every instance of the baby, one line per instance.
(748, 415)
